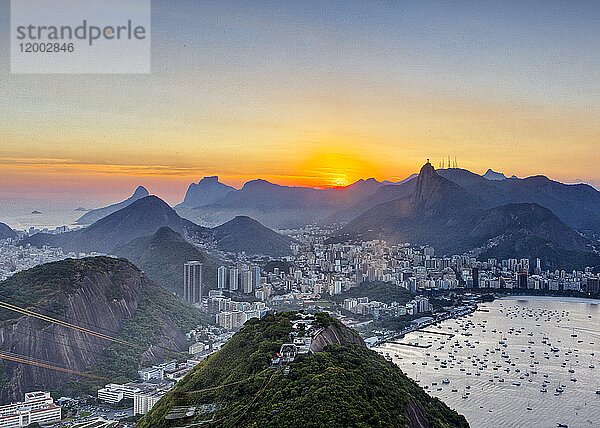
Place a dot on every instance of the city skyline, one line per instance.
(315, 95)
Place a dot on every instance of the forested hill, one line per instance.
(111, 298)
(343, 385)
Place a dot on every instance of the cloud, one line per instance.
(72, 166)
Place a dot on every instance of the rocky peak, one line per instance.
(493, 175)
(208, 190)
(209, 181)
(259, 184)
(140, 192)
(428, 181)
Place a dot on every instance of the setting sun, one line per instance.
(337, 169)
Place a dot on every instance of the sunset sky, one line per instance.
(316, 94)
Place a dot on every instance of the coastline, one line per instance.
(467, 310)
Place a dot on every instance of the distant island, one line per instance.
(36, 212)
(83, 209)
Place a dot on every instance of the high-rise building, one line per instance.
(475, 274)
(234, 279)
(144, 401)
(222, 277)
(593, 285)
(192, 282)
(522, 280)
(255, 276)
(428, 252)
(246, 280)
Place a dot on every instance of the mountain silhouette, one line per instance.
(141, 218)
(455, 219)
(95, 215)
(205, 192)
(245, 234)
(493, 175)
(162, 255)
(6, 232)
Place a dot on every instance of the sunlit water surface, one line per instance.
(534, 341)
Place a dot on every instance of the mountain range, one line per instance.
(280, 207)
(578, 205)
(95, 215)
(454, 212)
(452, 209)
(108, 296)
(140, 218)
(132, 233)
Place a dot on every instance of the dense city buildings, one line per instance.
(15, 257)
(411, 283)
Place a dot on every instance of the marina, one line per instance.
(514, 362)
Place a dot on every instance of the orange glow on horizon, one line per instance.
(47, 178)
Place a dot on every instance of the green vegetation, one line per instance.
(346, 385)
(397, 323)
(248, 235)
(156, 310)
(162, 256)
(377, 290)
(154, 319)
(50, 284)
(282, 265)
